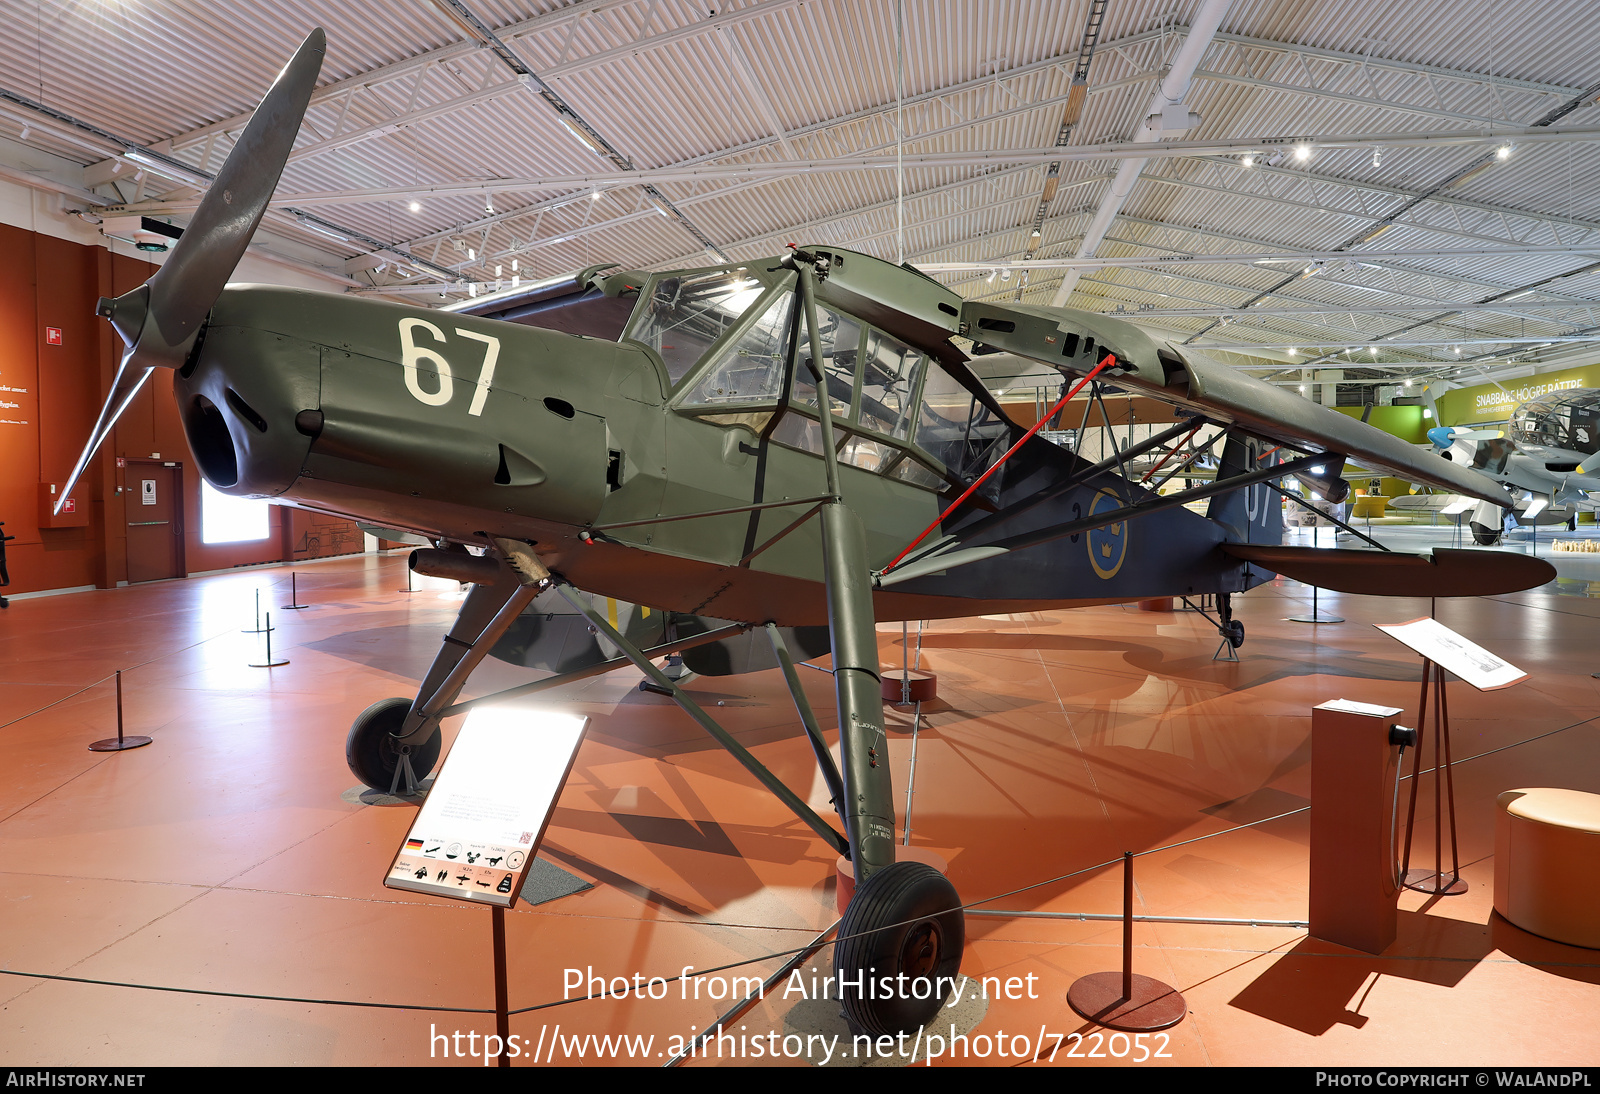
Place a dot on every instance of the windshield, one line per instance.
(687, 312)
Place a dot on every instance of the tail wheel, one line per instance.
(899, 949)
(372, 751)
(1234, 633)
(1484, 536)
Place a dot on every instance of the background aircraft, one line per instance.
(1540, 456)
(769, 450)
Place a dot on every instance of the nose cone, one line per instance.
(240, 400)
(1439, 436)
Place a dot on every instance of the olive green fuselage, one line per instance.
(464, 428)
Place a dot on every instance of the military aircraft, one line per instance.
(1541, 455)
(767, 454)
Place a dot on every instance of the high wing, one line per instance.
(1071, 340)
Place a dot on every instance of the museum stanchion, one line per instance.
(1126, 1000)
(119, 743)
(1435, 881)
(1315, 616)
(294, 594)
(268, 663)
(257, 628)
(909, 685)
(408, 588)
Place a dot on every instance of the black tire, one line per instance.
(1234, 633)
(903, 920)
(370, 749)
(1483, 535)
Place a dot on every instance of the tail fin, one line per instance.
(1251, 514)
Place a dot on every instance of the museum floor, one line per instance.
(234, 855)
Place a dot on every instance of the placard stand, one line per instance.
(1442, 649)
(1434, 881)
(477, 833)
(502, 995)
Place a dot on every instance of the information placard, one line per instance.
(1444, 647)
(477, 832)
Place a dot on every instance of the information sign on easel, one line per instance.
(476, 835)
(1443, 650)
(477, 832)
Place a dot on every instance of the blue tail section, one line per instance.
(1251, 514)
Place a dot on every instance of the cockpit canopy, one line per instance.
(1559, 425)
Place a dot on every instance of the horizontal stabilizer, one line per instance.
(1443, 572)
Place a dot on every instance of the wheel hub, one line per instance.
(919, 957)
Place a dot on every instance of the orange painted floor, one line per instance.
(233, 854)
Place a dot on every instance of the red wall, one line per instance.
(58, 390)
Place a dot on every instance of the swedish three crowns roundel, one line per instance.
(1108, 546)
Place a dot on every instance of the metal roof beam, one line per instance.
(846, 164)
(1172, 93)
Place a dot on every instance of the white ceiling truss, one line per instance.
(432, 156)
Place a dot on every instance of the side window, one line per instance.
(686, 313)
(750, 368)
(889, 374)
(956, 429)
(840, 336)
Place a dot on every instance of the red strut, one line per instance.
(1109, 360)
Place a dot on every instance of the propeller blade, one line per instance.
(127, 384)
(189, 282)
(159, 320)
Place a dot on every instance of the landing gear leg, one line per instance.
(901, 923)
(904, 921)
(394, 744)
(1231, 630)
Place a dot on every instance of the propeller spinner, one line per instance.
(160, 320)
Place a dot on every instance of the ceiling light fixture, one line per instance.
(1302, 152)
(416, 207)
(1503, 152)
(1248, 161)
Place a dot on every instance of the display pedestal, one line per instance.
(1353, 899)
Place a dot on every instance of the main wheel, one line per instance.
(372, 751)
(1484, 536)
(1234, 633)
(901, 939)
